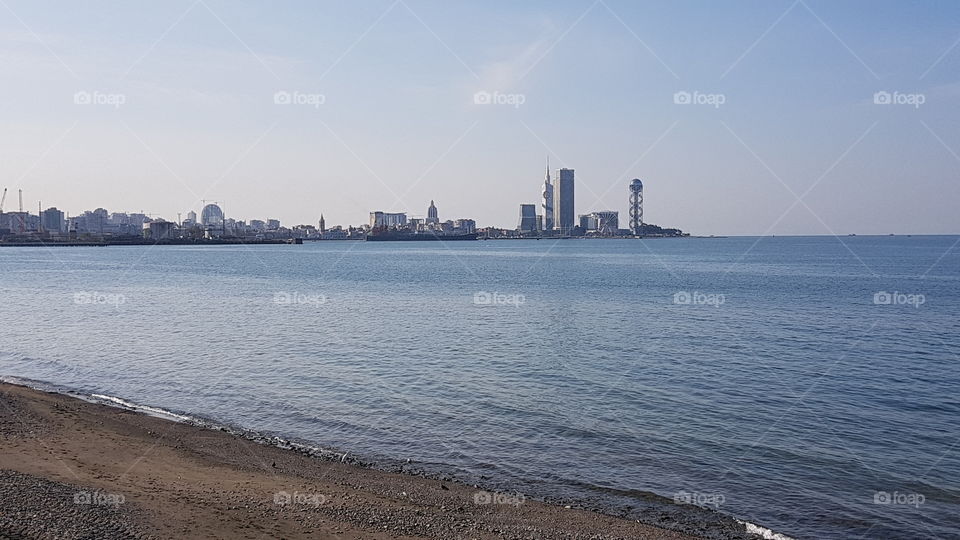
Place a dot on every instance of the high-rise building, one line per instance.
(388, 219)
(465, 225)
(547, 202)
(565, 219)
(323, 224)
(636, 207)
(432, 213)
(211, 216)
(51, 220)
(192, 216)
(528, 218)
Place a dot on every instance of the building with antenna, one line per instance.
(546, 205)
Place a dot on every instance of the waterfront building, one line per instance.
(465, 225)
(18, 222)
(605, 222)
(588, 222)
(563, 201)
(273, 224)
(158, 229)
(336, 233)
(211, 216)
(388, 219)
(528, 218)
(546, 204)
(51, 220)
(432, 216)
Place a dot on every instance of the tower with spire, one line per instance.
(323, 224)
(546, 204)
(432, 213)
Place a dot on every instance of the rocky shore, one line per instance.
(74, 469)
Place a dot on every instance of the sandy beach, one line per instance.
(75, 469)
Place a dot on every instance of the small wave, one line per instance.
(763, 532)
(256, 436)
(144, 408)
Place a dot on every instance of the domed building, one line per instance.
(211, 216)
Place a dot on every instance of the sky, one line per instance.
(741, 117)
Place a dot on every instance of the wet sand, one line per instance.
(74, 469)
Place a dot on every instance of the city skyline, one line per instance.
(782, 118)
(563, 193)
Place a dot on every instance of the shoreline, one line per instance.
(163, 448)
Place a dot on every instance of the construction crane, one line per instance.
(3, 199)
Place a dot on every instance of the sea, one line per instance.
(797, 387)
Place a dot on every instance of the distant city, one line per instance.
(556, 218)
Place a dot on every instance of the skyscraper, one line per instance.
(547, 204)
(563, 200)
(528, 218)
(432, 213)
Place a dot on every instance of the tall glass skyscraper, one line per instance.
(546, 205)
(563, 201)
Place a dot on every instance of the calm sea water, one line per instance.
(757, 376)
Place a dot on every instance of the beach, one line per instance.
(71, 468)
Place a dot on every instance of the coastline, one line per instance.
(138, 475)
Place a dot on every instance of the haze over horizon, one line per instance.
(289, 111)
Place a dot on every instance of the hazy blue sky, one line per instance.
(399, 125)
